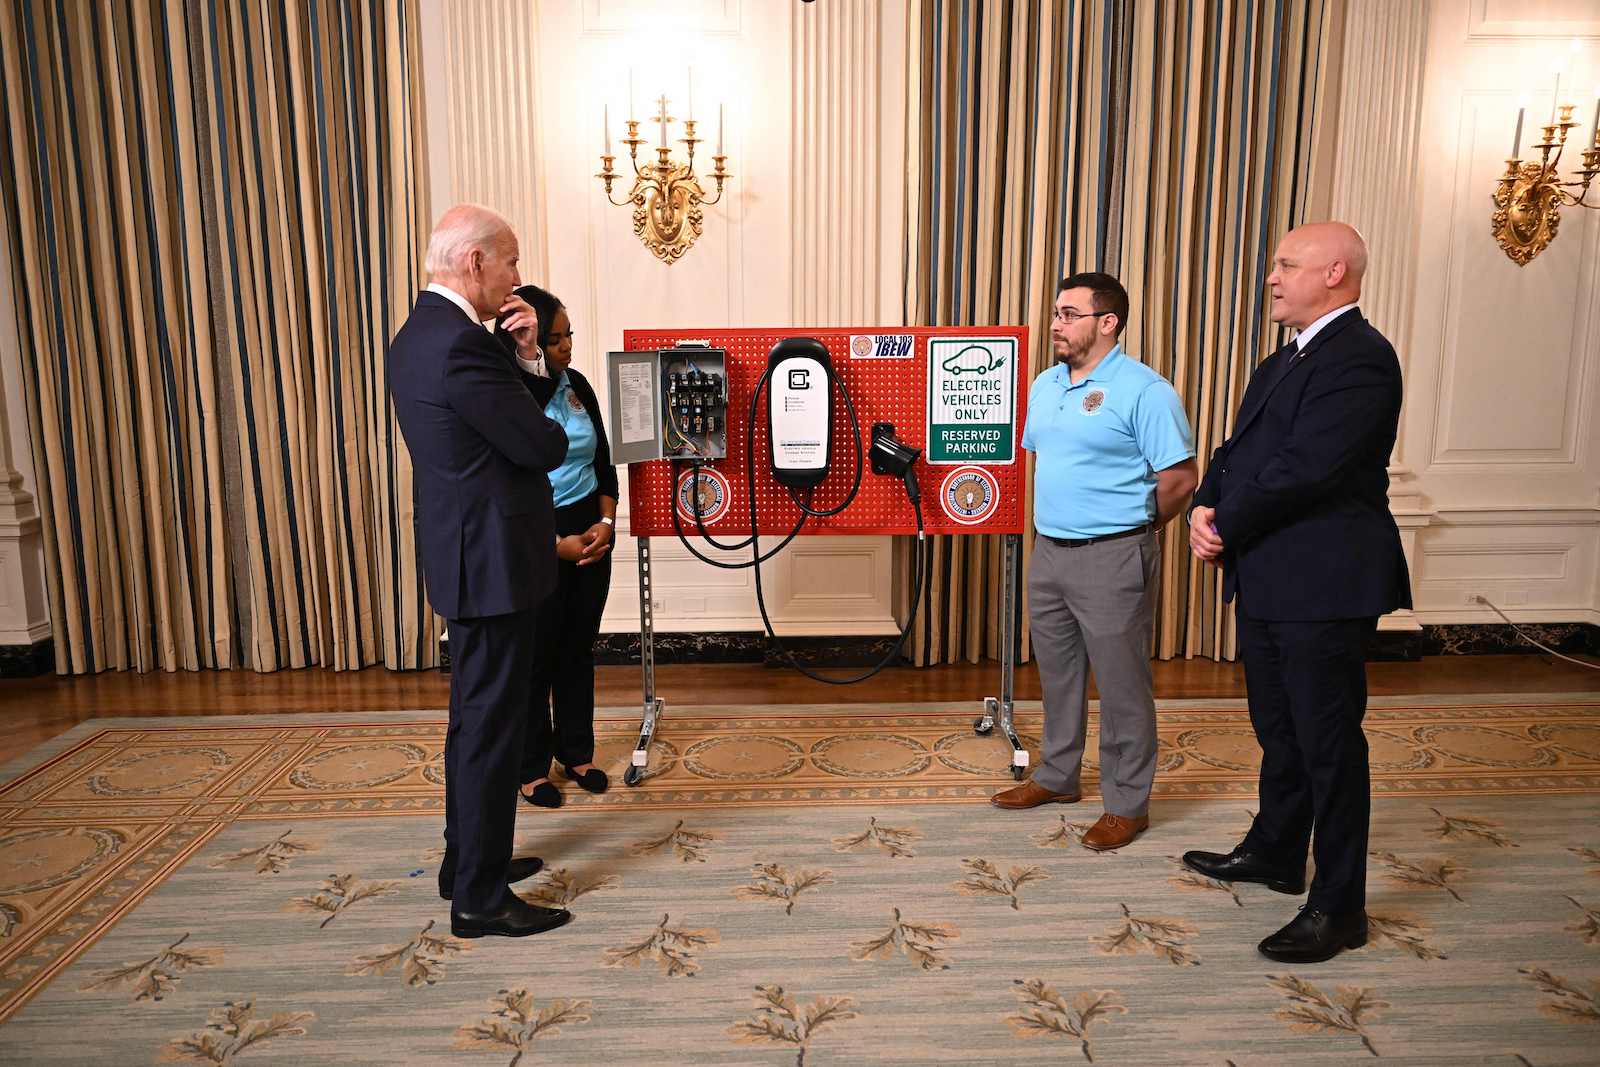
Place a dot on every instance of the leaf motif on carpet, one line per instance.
(420, 960)
(921, 942)
(984, 879)
(1045, 1013)
(154, 978)
(1163, 937)
(1311, 1011)
(515, 1022)
(776, 883)
(896, 841)
(674, 948)
(779, 1020)
(338, 893)
(230, 1030)
(271, 858)
(689, 845)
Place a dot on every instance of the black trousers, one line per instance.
(1307, 685)
(482, 747)
(560, 718)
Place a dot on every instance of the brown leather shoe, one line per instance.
(1030, 795)
(1114, 831)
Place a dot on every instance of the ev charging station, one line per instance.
(845, 431)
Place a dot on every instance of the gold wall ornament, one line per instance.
(667, 197)
(1529, 196)
(1527, 212)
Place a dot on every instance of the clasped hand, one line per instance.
(1203, 537)
(587, 547)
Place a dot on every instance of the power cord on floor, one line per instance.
(1523, 634)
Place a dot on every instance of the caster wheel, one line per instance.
(983, 726)
(1016, 773)
(632, 775)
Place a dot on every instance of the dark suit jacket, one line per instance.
(480, 444)
(1301, 488)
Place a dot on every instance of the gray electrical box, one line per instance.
(668, 403)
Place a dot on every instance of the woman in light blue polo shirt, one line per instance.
(561, 716)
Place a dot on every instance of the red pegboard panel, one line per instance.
(883, 390)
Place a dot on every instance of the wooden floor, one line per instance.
(37, 709)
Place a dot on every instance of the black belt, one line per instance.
(1080, 542)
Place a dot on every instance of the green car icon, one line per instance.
(974, 359)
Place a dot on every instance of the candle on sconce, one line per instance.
(631, 111)
(605, 122)
(1594, 132)
(1555, 99)
(1516, 138)
(689, 113)
(719, 131)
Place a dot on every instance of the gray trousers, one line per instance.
(1092, 607)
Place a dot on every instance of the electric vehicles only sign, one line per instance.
(972, 400)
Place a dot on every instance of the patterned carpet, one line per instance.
(804, 885)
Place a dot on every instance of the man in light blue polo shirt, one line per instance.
(1114, 462)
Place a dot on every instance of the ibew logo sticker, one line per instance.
(882, 345)
(969, 495)
(704, 491)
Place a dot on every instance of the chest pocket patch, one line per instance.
(1093, 401)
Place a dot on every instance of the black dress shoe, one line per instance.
(516, 918)
(593, 780)
(544, 795)
(519, 869)
(1315, 935)
(1242, 866)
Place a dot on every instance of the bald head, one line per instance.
(474, 251)
(1318, 267)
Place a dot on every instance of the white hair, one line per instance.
(462, 230)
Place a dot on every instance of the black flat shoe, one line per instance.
(519, 869)
(544, 795)
(1242, 866)
(593, 780)
(1314, 936)
(517, 918)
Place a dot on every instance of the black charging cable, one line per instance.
(922, 554)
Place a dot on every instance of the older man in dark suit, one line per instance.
(1295, 508)
(481, 446)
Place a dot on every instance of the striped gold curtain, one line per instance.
(218, 211)
(1226, 104)
(1169, 145)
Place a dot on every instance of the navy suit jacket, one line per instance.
(1301, 488)
(481, 446)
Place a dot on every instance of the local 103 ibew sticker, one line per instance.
(882, 345)
(704, 490)
(969, 495)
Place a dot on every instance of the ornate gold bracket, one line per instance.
(1528, 197)
(1527, 211)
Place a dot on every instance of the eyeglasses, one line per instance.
(1068, 316)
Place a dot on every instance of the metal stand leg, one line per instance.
(653, 707)
(1002, 707)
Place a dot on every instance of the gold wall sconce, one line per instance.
(1529, 196)
(666, 196)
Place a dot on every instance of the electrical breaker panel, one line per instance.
(668, 403)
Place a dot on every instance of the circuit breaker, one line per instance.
(668, 403)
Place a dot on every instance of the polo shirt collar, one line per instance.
(1103, 372)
